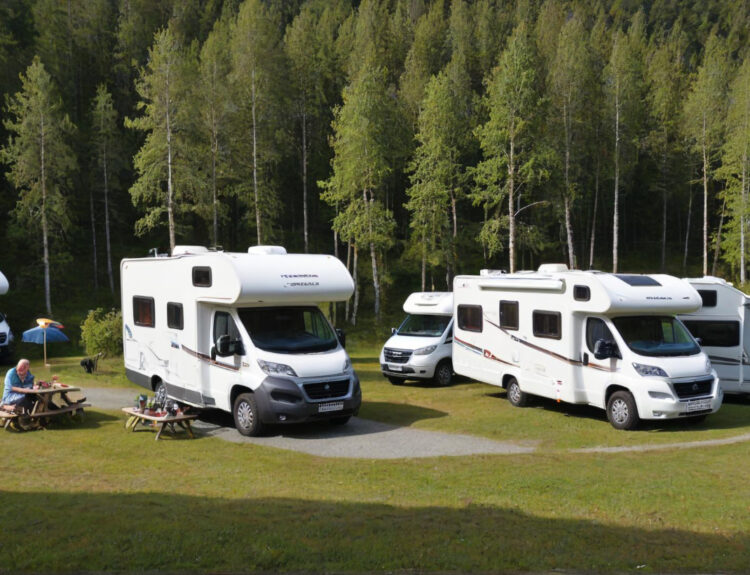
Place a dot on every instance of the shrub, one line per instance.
(102, 332)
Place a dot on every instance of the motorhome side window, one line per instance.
(596, 329)
(715, 333)
(470, 317)
(174, 315)
(581, 293)
(143, 311)
(509, 315)
(547, 324)
(708, 296)
(202, 277)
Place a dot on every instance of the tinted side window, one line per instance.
(470, 317)
(708, 296)
(715, 333)
(547, 324)
(581, 293)
(174, 315)
(596, 329)
(202, 277)
(143, 311)
(509, 315)
(224, 325)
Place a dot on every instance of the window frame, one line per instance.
(175, 306)
(138, 301)
(503, 324)
(460, 318)
(546, 334)
(200, 270)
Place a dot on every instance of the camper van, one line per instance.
(240, 332)
(421, 346)
(607, 340)
(6, 335)
(722, 329)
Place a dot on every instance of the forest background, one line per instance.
(414, 140)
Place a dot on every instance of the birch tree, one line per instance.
(705, 110)
(40, 161)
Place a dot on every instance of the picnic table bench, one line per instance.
(45, 406)
(159, 420)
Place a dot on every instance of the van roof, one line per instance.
(432, 303)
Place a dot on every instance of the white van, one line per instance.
(607, 340)
(722, 328)
(421, 347)
(6, 335)
(240, 332)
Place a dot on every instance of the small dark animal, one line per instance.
(88, 365)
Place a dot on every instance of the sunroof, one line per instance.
(637, 280)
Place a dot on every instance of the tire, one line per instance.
(443, 374)
(516, 397)
(160, 394)
(246, 416)
(396, 380)
(340, 420)
(622, 412)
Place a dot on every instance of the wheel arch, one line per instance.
(612, 389)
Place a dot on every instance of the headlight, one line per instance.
(425, 350)
(347, 365)
(649, 370)
(708, 365)
(272, 368)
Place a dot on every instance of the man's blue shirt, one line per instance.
(13, 380)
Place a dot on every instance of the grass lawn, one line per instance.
(108, 500)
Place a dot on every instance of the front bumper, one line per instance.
(296, 400)
(417, 367)
(662, 402)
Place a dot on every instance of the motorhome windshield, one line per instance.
(656, 335)
(288, 329)
(424, 325)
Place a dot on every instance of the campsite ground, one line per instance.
(116, 501)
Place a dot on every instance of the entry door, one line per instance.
(597, 373)
(224, 372)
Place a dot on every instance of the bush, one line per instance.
(102, 332)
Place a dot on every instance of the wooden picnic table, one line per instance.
(160, 420)
(46, 403)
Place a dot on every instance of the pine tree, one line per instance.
(41, 160)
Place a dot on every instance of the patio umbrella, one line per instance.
(44, 334)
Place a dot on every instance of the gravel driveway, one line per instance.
(363, 438)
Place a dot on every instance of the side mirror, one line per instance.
(604, 349)
(393, 331)
(222, 346)
(342, 336)
(699, 340)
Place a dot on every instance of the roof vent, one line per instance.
(552, 268)
(266, 250)
(188, 250)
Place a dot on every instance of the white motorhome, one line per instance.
(6, 335)
(240, 332)
(722, 328)
(421, 346)
(607, 340)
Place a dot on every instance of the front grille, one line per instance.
(3, 337)
(327, 389)
(697, 388)
(396, 355)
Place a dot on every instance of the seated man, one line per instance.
(16, 380)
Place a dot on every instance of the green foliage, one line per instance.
(101, 332)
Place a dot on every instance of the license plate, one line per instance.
(698, 405)
(396, 368)
(331, 406)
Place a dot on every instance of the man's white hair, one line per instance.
(22, 362)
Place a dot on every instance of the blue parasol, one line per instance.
(43, 335)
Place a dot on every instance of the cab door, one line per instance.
(597, 373)
(224, 369)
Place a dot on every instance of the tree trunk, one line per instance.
(255, 160)
(615, 219)
(356, 289)
(170, 189)
(424, 261)
(214, 191)
(107, 238)
(568, 221)
(511, 208)
(304, 180)
(593, 217)
(718, 239)
(45, 238)
(705, 200)
(349, 267)
(93, 238)
(664, 212)
(743, 216)
(687, 232)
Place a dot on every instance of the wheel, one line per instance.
(621, 410)
(160, 393)
(443, 374)
(516, 397)
(340, 420)
(246, 417)
(396, 380)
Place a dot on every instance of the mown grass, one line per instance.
(92, 497)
